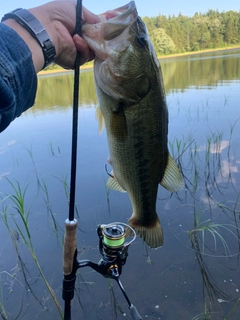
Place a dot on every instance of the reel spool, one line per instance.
(114, 251)
(112, 240)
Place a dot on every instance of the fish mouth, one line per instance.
(112, 25)
(114, 22)
(118, 12)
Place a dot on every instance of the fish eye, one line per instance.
(141, 40)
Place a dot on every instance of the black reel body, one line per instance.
(114, 251)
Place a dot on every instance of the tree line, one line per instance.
(175, 34)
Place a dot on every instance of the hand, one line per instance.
(59, 19)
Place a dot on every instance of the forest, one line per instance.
(181, 34)
(177, 34)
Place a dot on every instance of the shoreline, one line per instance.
(174, 55)
(198, 52)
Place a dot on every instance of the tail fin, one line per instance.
(152, 235)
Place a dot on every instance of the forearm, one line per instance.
(21, 58)
(18, 80)
(37, 30)
(58, 18)
(34, 47)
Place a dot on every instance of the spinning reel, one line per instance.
(114, 251)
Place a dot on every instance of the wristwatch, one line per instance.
(29, 22)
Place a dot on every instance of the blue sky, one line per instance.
(145, 7)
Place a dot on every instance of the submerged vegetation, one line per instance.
(15, 209)
(208, 238)
(195, 275)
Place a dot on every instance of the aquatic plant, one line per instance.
(214, 230)
(17, 202)
(232, 310)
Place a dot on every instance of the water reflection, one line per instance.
(207, 70)
(195, 275)
(216, 147)
(57, 91)
(179, 74)
(212, 292)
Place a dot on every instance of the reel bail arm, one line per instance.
(114, 253)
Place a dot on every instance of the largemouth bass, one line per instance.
(132, 101)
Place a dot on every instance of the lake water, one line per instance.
(195, 275)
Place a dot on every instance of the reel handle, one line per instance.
(134, 313)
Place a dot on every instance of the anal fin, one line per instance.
(113, 184)
(172, 179)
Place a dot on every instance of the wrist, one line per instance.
(37, 54)
(44, 18)
(23, 21)
(49, 18)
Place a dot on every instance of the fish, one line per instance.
(132, 99)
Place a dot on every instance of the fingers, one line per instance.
(89, 17)
(81, 45)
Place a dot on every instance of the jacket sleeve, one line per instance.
(18, 79)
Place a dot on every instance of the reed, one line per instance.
(229, 315)
(201, 166)
(3, 312)
(53, 221)
(214, 229)
(17, 203)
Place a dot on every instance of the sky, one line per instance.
(145, 7)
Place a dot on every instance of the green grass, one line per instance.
(214, 229)
(17, 203)
(201, 166)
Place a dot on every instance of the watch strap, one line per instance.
(30, 23)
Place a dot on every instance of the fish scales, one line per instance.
(132, 100)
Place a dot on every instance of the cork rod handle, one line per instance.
(70, 245)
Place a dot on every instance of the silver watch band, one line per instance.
(29, 22)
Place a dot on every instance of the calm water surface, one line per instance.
(195, 275)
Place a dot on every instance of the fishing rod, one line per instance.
(70, 237)
(112, 245)
(113, 248)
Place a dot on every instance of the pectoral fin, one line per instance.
(172, 179)
(100, 119)
(118, 123)
(113, 184)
